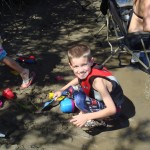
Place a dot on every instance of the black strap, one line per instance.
(137, 15)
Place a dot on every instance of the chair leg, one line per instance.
(119, 59)
(147, 57)
(101, 28)
(112, 54)
(131, 52)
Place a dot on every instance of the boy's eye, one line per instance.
(75, 66)
(84, 65)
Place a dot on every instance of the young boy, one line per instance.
(100, 95)
(27, 77)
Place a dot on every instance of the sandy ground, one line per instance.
(45, 30)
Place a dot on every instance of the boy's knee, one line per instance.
(79, 98)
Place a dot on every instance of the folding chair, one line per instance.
(115, 13)
(119, 16)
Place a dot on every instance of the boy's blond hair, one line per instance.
(79, 50)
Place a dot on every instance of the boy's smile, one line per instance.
(81, 67)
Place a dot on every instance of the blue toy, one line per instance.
(67, 105)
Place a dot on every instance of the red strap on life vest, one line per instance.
(85, 84)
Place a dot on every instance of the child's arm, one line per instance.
(99, 85)
(71, 83)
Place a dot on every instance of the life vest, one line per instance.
(96, 71)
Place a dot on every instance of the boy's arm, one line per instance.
(100, 85)
(71, 83)
(146, 15)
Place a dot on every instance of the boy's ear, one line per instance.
(92, 61)
(70, 65)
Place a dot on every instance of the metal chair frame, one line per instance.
(121, 34)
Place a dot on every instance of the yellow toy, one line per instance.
(51, 96)
(51, 100)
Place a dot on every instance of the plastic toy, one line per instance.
(28, 60)
(67, 105)
(51, 96)
(8, 94)
(59, 78)
(51, 100)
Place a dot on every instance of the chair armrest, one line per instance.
(133, 40)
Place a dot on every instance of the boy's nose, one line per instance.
(81, 70)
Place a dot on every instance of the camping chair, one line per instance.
(119, 16)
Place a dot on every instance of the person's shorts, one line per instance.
(2, 54)
(87, 104)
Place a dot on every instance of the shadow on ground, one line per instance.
(45, 29)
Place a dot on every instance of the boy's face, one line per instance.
(81, 67)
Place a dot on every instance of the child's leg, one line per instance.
(13, 64)
(94, 105)
(87, 104)
(24, 73)
(79, 99)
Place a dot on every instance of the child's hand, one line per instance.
(79, 120)
(57, 94)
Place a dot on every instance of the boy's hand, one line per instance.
(57, 94)
(79, 120)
